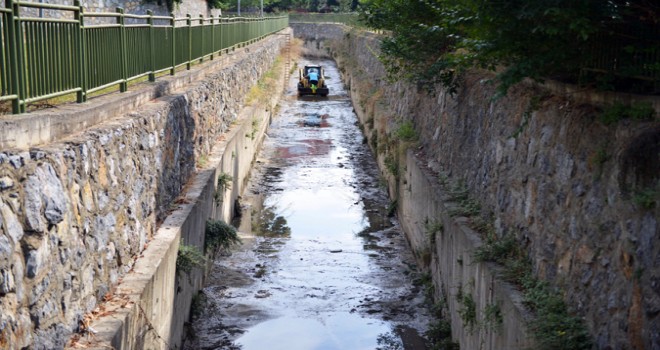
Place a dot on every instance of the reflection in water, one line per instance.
(268, 223)
(333, 332)
(304, 148)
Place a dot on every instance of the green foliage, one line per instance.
(647, 198)
(219, 235)
(553, 327)
(269, 223)
(468, 309)
(493, 317)
(432, 230)
(618, 111)
(466, 207)
(392, 207)
(497, 250)
(439, 335)
(392, 165)
(189, 257)
(224, 183)
(198, 304)
(406, 132)
(434, 40)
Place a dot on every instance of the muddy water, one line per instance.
(322, 266)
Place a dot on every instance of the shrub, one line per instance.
(189, 257)
(219, 235)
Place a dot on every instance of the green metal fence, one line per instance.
(42, 58)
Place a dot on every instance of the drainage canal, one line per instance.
(324, 266)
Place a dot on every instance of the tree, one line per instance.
(433, 40)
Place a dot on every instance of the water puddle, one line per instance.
(323, 266)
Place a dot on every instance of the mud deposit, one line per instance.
(321, 266)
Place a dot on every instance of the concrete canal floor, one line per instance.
(322, 266)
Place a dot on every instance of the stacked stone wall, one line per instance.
(135, 7)
(545, 169)
(76, 214)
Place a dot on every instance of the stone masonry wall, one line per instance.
(546, 170)
(75, 214)
(136, 7)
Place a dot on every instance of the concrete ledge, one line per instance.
(455, 271)
(50, 125)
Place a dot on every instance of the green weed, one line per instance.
(618, 111)
(492, 317)
(406, 132)
(391, 208)
(646, 198)
(188, 258)
(224, 183)
(392, 165)
(219, 235)
(432, 229)
(468, 309)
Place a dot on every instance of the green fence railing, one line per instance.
(42, 58)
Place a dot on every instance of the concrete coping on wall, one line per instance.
(45, 126)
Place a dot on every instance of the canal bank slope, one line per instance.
(536, 165)
(91, 223)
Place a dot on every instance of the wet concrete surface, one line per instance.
(322, 266)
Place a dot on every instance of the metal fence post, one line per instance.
(201, 30)
(19, 58)
(15, 66)
(212, 36)
(173, 24)
(81, 95)
(189, 23)
(123, 86)
(152, 55)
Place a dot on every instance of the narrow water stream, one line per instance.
(322, 266)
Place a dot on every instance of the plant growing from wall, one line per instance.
(493, 317)
(202, 161)
(406, 132)
(392, 165)
(224, 183)
(647, 198)
(188, 258)
(553, 327)
(391, 207)
(198, 304)
(219, 235)
(468, 309)
(255, 128)
(433, 227)
(439, 335)
(637, 111)
(598, 160)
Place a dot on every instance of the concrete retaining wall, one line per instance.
(98, 216)
(543, 168)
